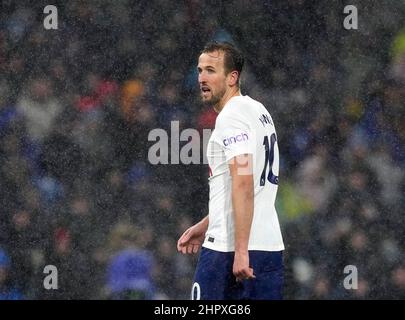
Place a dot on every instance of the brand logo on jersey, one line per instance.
(234, 139)
(265, 119)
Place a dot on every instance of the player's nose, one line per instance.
(202, 79)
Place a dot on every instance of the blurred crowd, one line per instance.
(77, 104)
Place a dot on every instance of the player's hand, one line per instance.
(241, 269)
(191, 240)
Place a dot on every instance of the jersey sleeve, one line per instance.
(235, 136)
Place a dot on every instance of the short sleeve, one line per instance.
(235, 136)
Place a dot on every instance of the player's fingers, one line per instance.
(240, 278)
(190, 249)
(251, 275)
(239, 275)
(181, 247)
(178, 246)
(185, 237)
(247, 273)
(244, 274)
(195, 248)
(183, 241)
(184, 250)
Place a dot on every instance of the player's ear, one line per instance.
(233, 78)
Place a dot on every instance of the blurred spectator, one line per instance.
(129, 275)
(39, 108)
(7, 290)
(397, 281)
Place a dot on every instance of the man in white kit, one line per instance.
(242, 245)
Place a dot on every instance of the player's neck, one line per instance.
(227, 96)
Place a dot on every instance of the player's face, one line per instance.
(211, 77)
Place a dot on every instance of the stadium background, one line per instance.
(77, 104)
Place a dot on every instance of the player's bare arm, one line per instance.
(192, 239)
(242, 201)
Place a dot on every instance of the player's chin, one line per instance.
(208, 100)
(205, 98)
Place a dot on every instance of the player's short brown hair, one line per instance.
(234, 59)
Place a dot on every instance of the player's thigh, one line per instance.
(269, 281)
(211, 275)
(268, 285)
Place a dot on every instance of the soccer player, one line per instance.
(242, 245)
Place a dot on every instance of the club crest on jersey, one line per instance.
(234, 139)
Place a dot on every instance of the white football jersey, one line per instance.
(243, 126)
